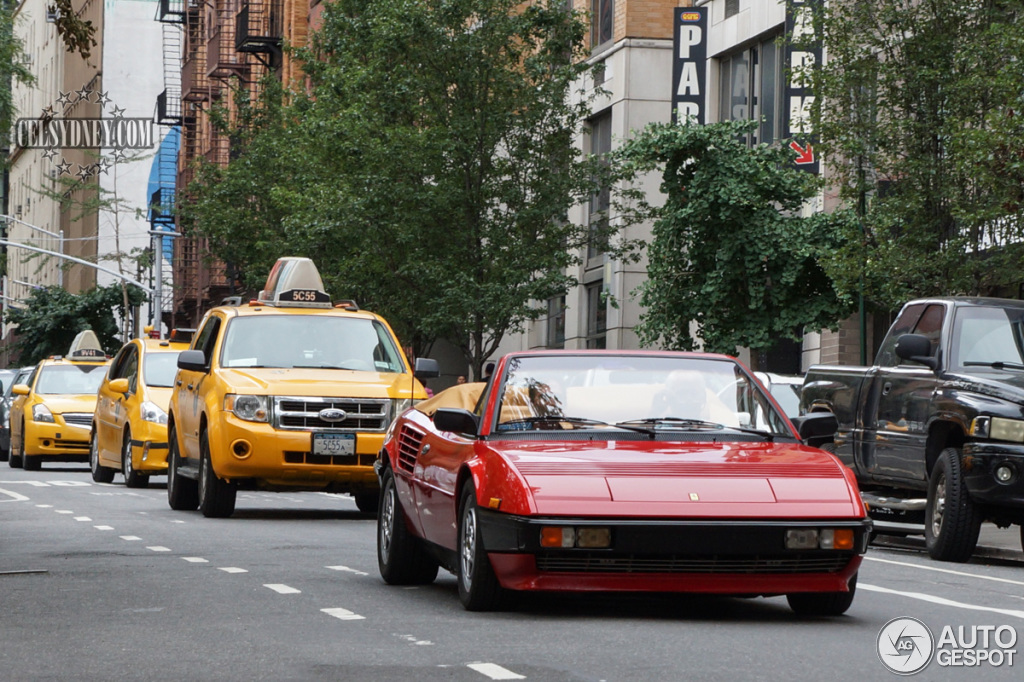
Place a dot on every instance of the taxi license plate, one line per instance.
(334, 443)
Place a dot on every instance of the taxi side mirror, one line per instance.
(119, 385)
(426, 368)
(20, 389)
(192, 360)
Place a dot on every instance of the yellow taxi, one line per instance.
(289, 392)
(53, 410)
(129, 431)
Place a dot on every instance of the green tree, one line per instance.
(919, 111)
(52, 317)
(12, 65)
(431, 169)
(731, 253)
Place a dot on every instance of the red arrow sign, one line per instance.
(803, 156)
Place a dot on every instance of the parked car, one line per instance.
(129, 432)
(618, 471)
(16, 376)
(785, 388)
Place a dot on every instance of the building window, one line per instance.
(602, 22)
(751, 87)
(597, 316)
(732, 8)
(600, 201)
(556, 322)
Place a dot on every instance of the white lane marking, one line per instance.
(177, 521)
(282, 589)
(346, 569)
(15, 497)
(71, 484)
(494, 671)
(82, 518)
(130, 538)
(343, 614)
(232, 569)
(942, 601)
(158, 548)
(196, 559)
(418, 642)
(945, 570)
(103, 527)
(63, 511)
(45, 506)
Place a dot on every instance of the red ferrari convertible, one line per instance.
(618, 471)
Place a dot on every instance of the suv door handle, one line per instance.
(190, 387)
(179, 382)
(885, 388)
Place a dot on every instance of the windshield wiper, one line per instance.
(998, 364)
(674, 421)
(577, 421)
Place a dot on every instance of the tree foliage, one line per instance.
(920, 111)
(731, 253)
(429, 171)
(52, 317)
(78, 34)
(12, 65)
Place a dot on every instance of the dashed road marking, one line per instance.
(232, 569)
(130, 538)
(45, 506)
(495, 671)
(103, 527)
(343, 614)
(82, 518)
(196, 560)
(418, 642)
(346, 569)
(63, 511)
(942, 601)
(282, 589)
(158, 548)
(177, 521)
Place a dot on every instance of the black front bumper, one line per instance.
(980, 461)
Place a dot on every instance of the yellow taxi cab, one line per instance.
(289, 392)
(129, 431)
(53, 410)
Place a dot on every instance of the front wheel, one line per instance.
(367, 502)
(132, 478)
(14, 460)
(182, 493)
(479, 589)
(100, 473)
(400, 556)
(952, 521)
(822, 603)
(216, 496)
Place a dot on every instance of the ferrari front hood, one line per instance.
(634, 478)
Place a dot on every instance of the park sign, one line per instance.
(803, 56)
(689, 64)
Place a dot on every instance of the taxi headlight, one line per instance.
(151, 412)
(398, 406)
(251, 408)
(1007, 429)
(41, 413)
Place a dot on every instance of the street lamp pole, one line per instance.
(59, 235)
(79, 261)
(157, 309)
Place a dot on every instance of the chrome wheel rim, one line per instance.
(467, 553)
(940, 506)
(127, 457)
(387, 519)
(203, 464)
(94, 457)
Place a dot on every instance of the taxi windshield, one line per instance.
(70, 379)
(160, 369)
(313, 341)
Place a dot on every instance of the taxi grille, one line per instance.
(78, 418)
(296, 457)
(303, 413)
(594, 563)
(72, 445)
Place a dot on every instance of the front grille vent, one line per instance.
(595, 563)
(303, 414)
(409, 441)
(78, 418)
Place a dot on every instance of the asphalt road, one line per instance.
(101, 582)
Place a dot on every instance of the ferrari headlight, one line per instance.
(41, 413)
(151, 412)
(251, 408)
(819, 538)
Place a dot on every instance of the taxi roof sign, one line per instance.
(86, 346)
(294, 282)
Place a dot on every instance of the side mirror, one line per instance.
(426, 368)
(816, 428)
(20, 389)
(118, 385)
(916, 348)
(192, 360)
(455, 420)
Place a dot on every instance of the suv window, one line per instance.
(903, 325)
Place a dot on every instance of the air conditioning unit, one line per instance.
(52, 14)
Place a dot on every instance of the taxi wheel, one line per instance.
(479, 589)
(32, 462)
(182, 493)
(823, 603)
(216, 496)
(400, 556)
(367, 502)
(14, 460)
(100, 473)
(132, 478)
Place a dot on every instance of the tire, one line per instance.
(822, 603)
(132, 478)
(216, 496)
(367, 502)
(182, 493)
(479, 589)
(100, 473)
(952, 521)
(14, 460)
(400, 556)
(32, 462)
(1022, 536)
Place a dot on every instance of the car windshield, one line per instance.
(317, 341)
(635, 391)
(70, 379)
(160, 369)
(988, 336)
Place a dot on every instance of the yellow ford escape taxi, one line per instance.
(129, 431)
(53, 410)
(289, 392)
